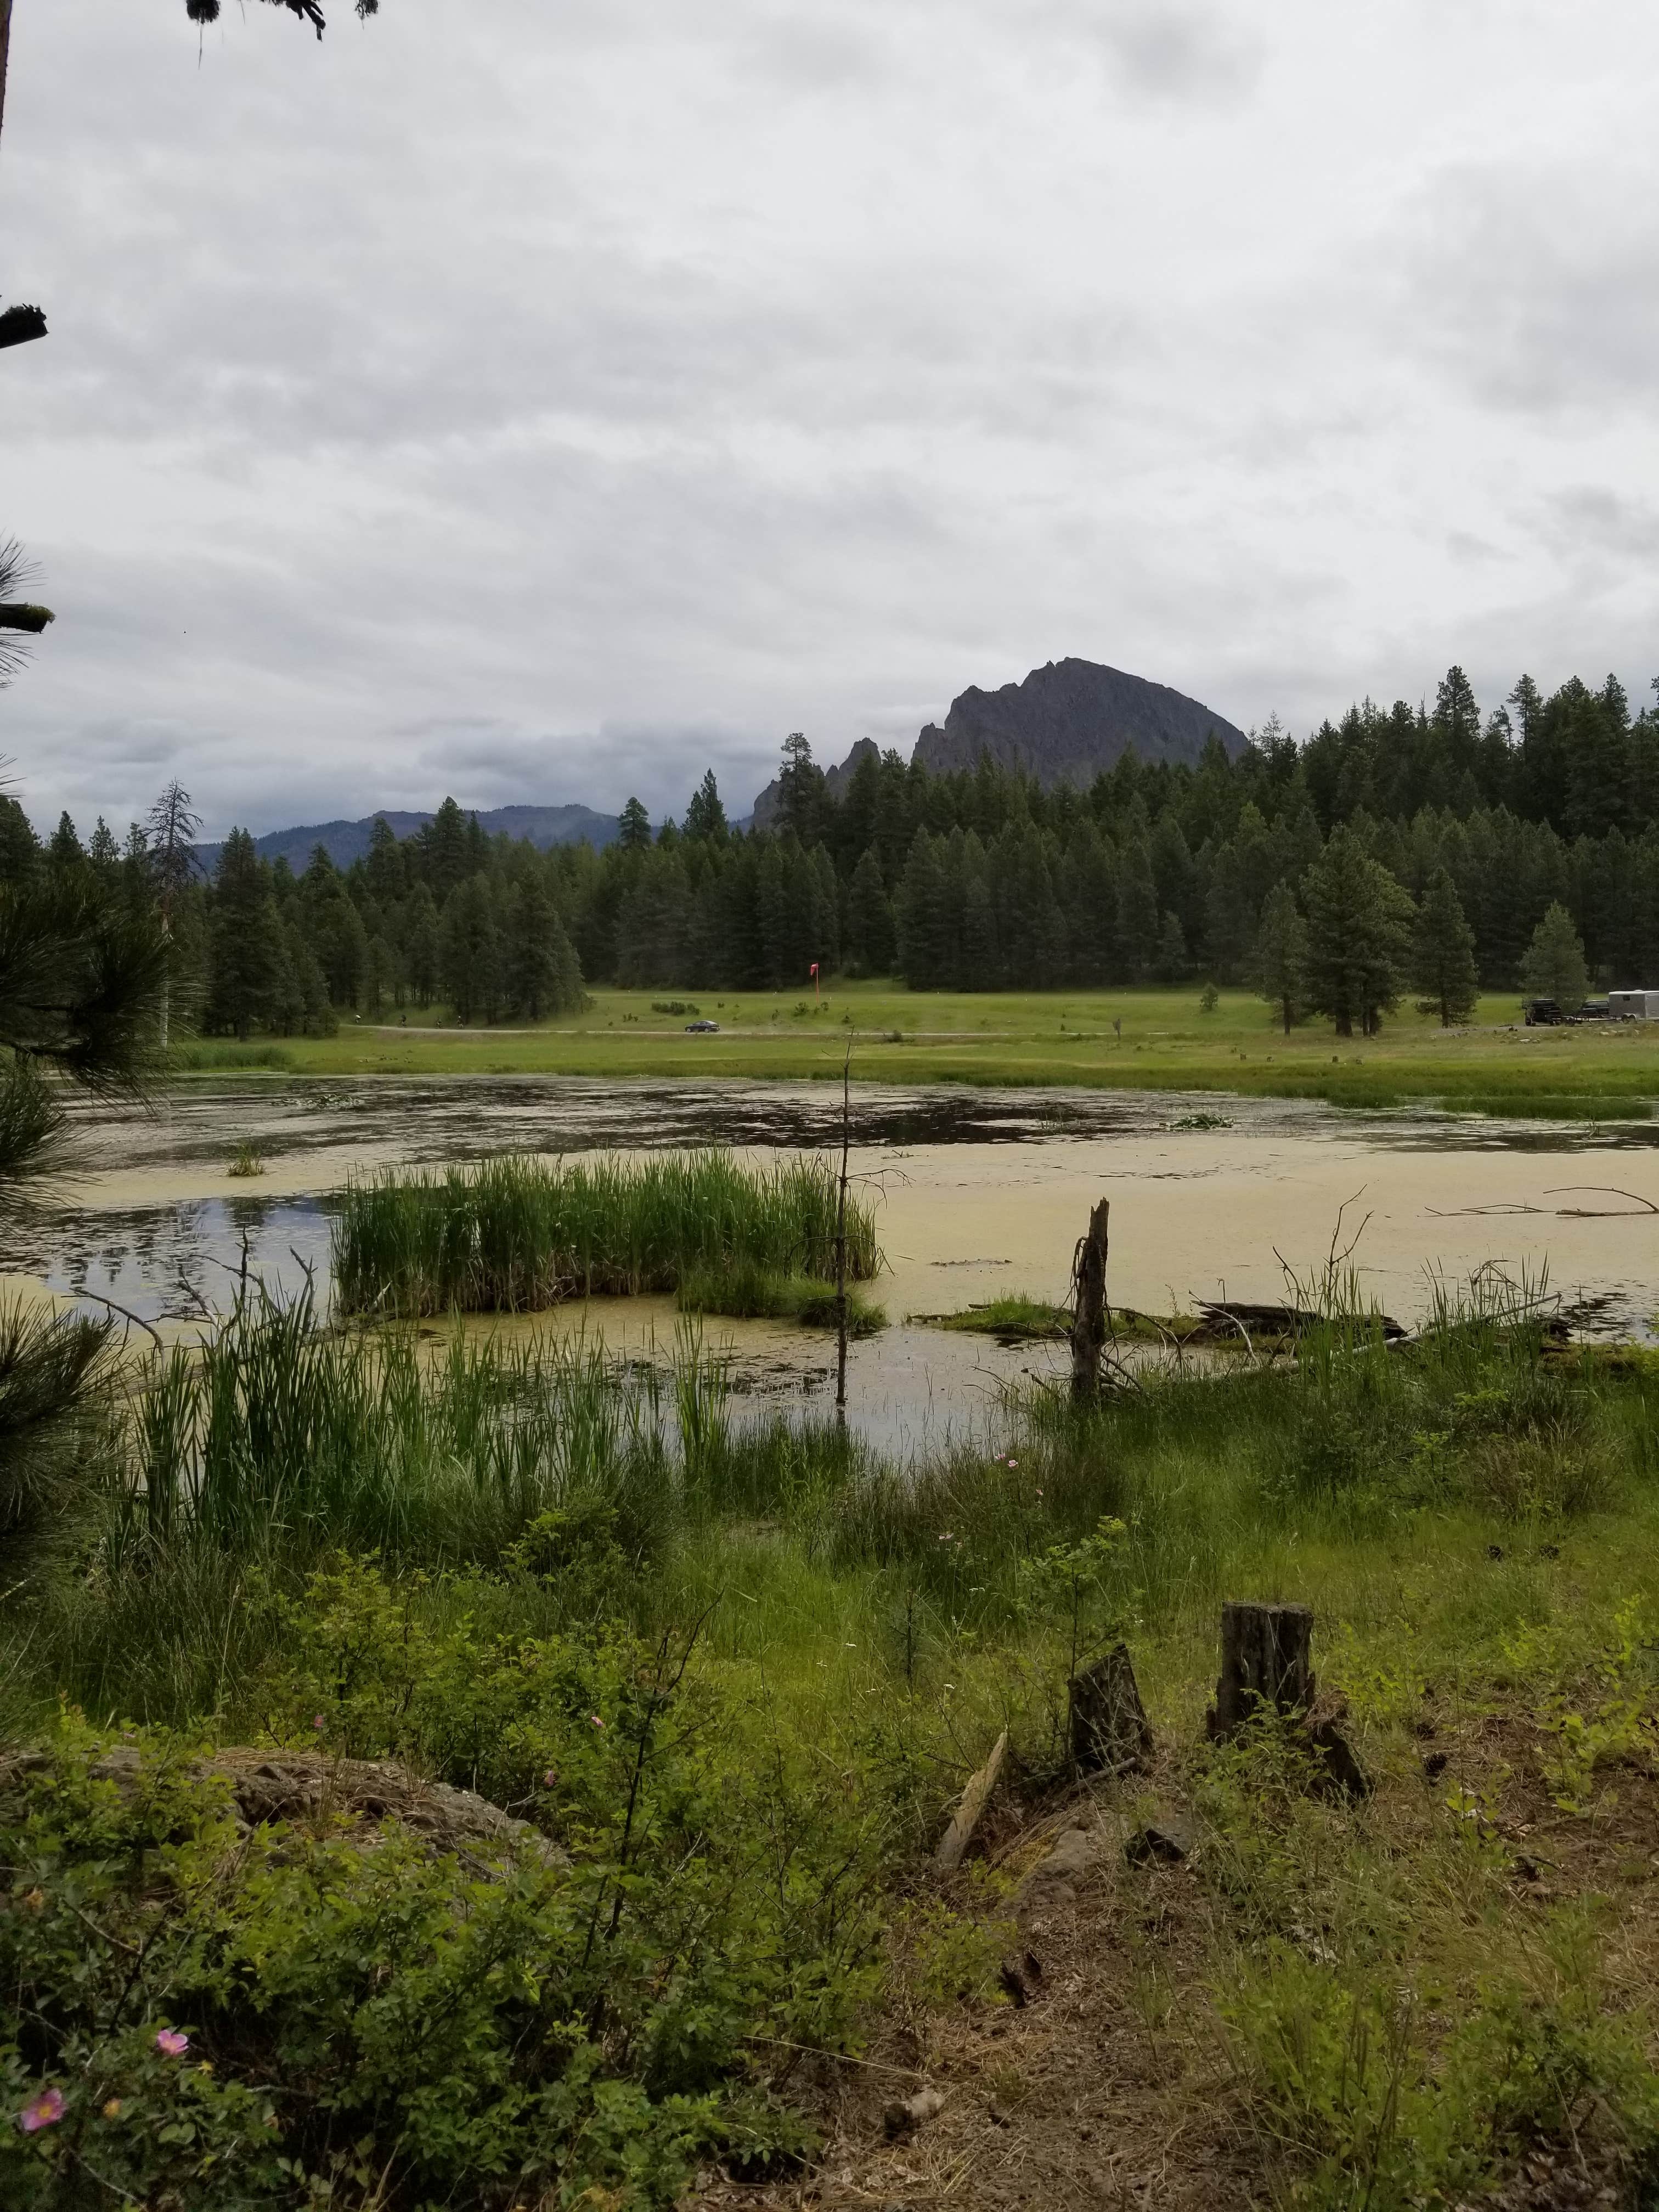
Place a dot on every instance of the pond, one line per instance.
(976, 1193)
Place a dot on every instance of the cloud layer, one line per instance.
(541, 403)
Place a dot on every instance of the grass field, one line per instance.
(1166, 1041)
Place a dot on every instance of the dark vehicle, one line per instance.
(1543, 1013)
(1595, 1009)
(702, 1029)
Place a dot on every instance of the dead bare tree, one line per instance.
(1088, 1314)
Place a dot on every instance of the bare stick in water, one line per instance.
(841, 1235)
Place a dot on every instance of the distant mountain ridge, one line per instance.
(1065, 723)
(346, 841)
(1069, 720)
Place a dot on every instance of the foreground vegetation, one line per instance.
(731, 1676)
(1127, 1039)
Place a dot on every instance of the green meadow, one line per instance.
(1133, 1039)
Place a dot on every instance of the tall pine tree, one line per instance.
(1442, 954)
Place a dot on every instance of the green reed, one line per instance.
(518, 1235)
(278, 1438)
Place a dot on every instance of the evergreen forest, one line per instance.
(1417, 849)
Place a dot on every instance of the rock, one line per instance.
(1050, 1881)
(1435, 1764)
(1069, 720)
(907, 2114)
(1164, 1840)
(268, 1787)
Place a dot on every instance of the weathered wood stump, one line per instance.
(1089, 1318)
(1266, 1659)
(1110, 1731)
(1267, 1666)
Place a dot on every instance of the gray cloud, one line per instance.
(1536, 283)
(1175, 52)
(539, 402)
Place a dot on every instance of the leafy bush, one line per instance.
(361, 2008)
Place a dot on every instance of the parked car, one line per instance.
(1595, 1009)
(702, 1029)
(1543, 1013)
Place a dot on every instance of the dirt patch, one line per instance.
(1099, 2075)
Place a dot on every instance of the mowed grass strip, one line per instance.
(518, 1235)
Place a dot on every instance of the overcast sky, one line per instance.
(539, 399)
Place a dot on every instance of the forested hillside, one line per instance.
(1415, 848)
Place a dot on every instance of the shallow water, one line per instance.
(976, 1193)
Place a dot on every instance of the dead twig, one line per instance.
(1598, 1213)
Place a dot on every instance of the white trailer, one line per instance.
(1633, 1005)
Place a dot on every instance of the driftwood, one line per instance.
(268, 1787)
(975, 1798)
(1109, 1730)
(1267, 1666)
(1088, 1319)
(1219, 1319)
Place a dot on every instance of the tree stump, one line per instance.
(1109, 1730)
(1089, 1318)
(1266, 1660)
(1267, 1666)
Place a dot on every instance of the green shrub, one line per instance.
(360, 2005)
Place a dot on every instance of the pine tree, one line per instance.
(245, 942)
(923, 937)
(383, 864)
(1554, 966)
(312, 1011)
(634, 828)
(442, 844)
(1137, 919)
(20, 848)
(470, 952)
(65, 849)
(800, 791)
(1171, 950)
(1442, 954)
(542, 974)
(103, 851)
(870, 938)
(705, 816)
(1358, 935)
(420, 955)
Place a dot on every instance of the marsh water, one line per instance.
(976, 1193)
